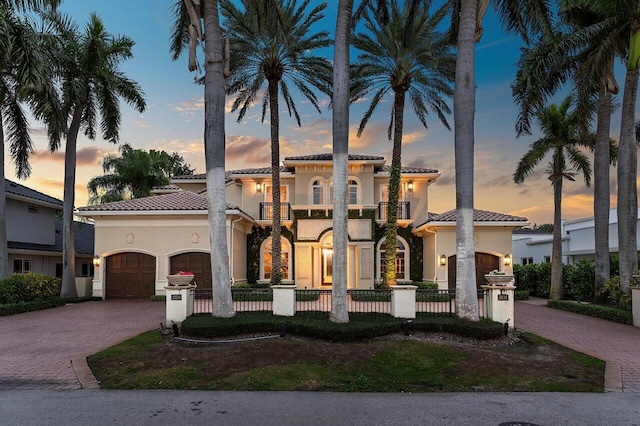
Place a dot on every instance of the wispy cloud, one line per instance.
(85, 156)
(248, 151)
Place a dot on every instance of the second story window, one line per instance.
(352, 195)
(322, 192)
(317, 191)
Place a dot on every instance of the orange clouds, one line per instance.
(248, 151)
(85, 156)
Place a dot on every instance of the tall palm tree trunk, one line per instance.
(627, 187)
(556, 250)
(464, 103)
(339, 311)
(276, 228)
(214, 144)
(391, 230)
(4, 249)
(68, 289)
(601, 201)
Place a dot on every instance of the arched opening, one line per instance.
(197, 262)
(130, 276)
(485, 263)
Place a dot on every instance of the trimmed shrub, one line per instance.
(19, 288)
(605, 312)
(36, 305)
(307, 296)
(158, 298)
(522, 294)
(425, 285)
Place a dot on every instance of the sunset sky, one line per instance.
(174, 121)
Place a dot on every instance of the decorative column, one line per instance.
(403, 301)
(284, 300)
(179, 303)
(500, 298)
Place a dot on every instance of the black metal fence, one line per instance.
(361, 302)
(404, 210)
(266, 211)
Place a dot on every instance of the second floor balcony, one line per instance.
(404, 211)
(266, 212)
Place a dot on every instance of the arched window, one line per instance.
(402, 258)
(266, 270)
(317, 191)
(352, 194)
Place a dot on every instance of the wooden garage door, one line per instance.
(130, 276)
(198, 263)
(485, 263)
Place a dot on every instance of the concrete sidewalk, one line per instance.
(48, 349)
(617, 344)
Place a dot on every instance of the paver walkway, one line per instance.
(47, 349)
(617, 344)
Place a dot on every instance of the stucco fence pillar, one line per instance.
(284, 300)
(403, 301)
(499, 303)
(635, 304)
(179, 303)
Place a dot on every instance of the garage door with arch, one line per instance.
(198, 263)
(130, 276)
(485, 263)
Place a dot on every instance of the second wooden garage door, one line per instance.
(198, 263)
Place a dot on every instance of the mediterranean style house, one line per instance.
(141, 241)
(34, 236)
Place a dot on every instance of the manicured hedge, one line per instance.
(158, 298)
(598, 311)
(318, 326)
(37, 305)
(19, 288)
(522, 294)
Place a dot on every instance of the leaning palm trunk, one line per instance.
(391, 230)
(464, 100)
(556, 250)
(4, 249)
(601, 199)
(214, 144)
(68, 289)
(339, 311)
(627, 186)
(276, 228)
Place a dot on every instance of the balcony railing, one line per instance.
(266, 211)
(404, 211)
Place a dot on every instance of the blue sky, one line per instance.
(174, 121)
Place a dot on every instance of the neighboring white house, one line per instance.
(578, 241)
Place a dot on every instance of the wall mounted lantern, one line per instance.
(96, 261)
(443, 259)
(507, 259)
(258, 186)
(410, 185)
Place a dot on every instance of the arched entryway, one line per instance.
(327, 259)
(130, 276)
(197, 262)
(485, 263)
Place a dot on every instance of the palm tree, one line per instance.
(585, 53)
(275, 46)
(418, 63)
(562, 140)
(341, 77)
(524, 18)
(134, 173)
(24, 78)
(91, 85)
(190, 18)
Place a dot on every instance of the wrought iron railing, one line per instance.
(404, 210)
(266, 211)
(244, 300)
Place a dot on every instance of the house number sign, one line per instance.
(503, 297)
(176, 297)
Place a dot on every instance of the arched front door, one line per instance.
(485, 263)
(198, 263)
(130, 276)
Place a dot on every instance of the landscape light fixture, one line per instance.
(507, 259)
(443, 259)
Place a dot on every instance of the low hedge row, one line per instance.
(318, 326)
(522, 294)
(37, 305)
(598, 311)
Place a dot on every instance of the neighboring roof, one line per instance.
(21, 191)
(83, 236)
(163, 188)
(478, 216)
(525, 231)
(409, 170)
(254, 171)
(329, 157)
(197, 177)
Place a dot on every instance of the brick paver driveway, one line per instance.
(617, 344)
(47, 349)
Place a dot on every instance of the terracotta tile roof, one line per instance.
(254, 171)
(478, 216)
(169, 187)
(177, 201)
(14, 188)
(409, 170)
(329, 157)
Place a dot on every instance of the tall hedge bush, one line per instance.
(20, 288)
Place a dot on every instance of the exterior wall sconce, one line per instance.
(258, 186)
(443, 259)
(96, 261)
(507, 259)
(410, 185)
